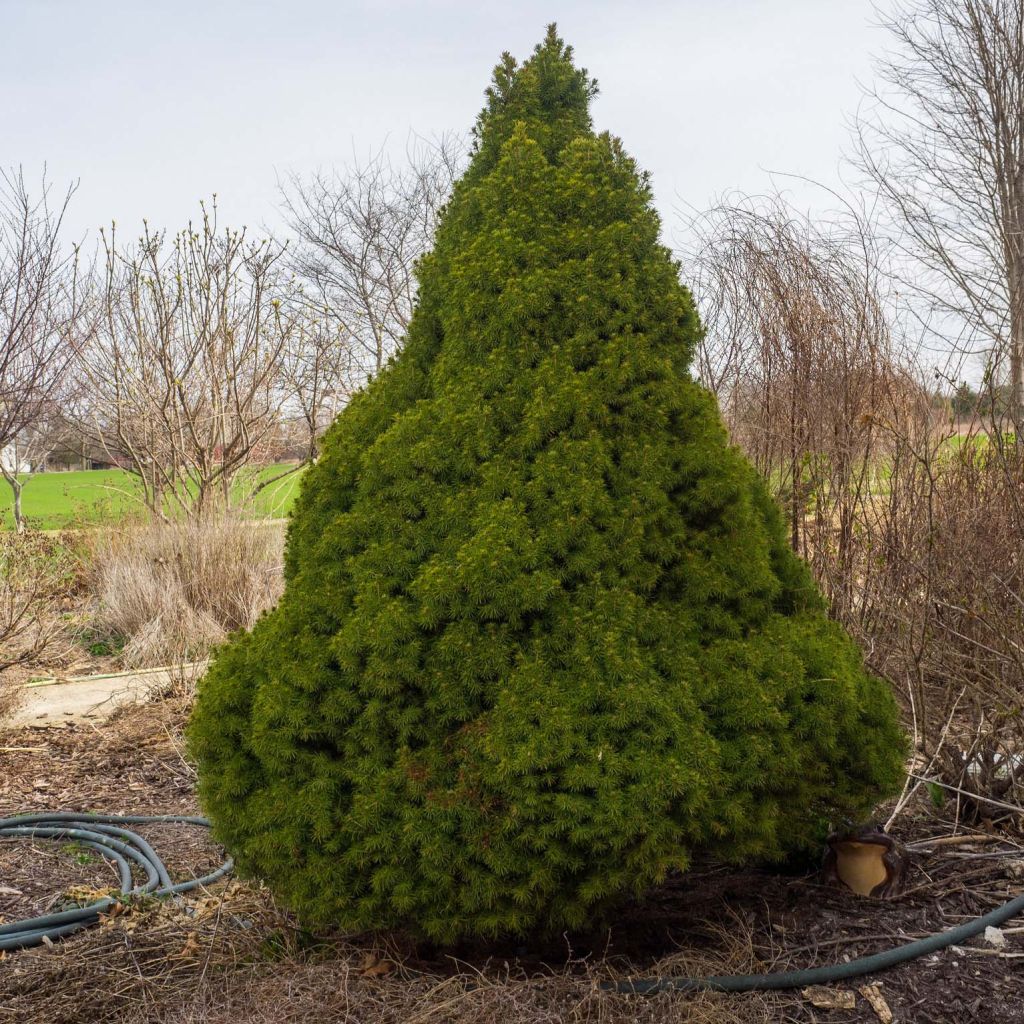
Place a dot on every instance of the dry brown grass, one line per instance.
(333, 991)
(168, 592)
(233, 958)
(10, 697)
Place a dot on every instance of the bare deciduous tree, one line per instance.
(184, 365)
(359, 233)
(798, 349)
(942, 138)
(40, 304)
(317, 372)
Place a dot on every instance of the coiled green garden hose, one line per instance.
(101, 832)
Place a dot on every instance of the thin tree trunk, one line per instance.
(16, 486)
(1016, 410)
(19, 518)
(794, 469)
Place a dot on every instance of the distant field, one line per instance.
(55, 501)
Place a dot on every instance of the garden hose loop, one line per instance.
(105, 834)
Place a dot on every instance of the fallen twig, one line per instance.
(960, 840)
(967, 793)
(981, 951)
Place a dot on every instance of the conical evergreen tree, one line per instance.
(542, 637)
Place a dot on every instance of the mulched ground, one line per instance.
(231, 956)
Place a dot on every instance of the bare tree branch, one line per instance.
(942, 139)
(359, 234)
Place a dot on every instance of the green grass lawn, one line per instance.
(55, 501)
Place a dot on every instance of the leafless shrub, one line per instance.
(183, 367)
(170, 591)
(37, 574)
(799, 351)
(912, 522)
(942, 602)
(36, 577)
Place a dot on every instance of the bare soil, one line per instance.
(231, 955)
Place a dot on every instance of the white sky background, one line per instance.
(153, 105)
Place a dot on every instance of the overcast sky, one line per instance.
(153, 105)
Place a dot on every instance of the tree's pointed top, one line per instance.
(547, 92)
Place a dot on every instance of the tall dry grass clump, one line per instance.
(169, 591)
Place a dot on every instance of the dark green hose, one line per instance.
(100, 832)
(824, 975)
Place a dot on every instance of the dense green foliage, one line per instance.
(542, 637)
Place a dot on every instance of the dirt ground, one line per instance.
(231, 955)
